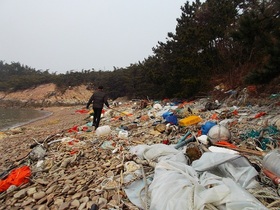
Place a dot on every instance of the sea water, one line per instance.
(14, 117)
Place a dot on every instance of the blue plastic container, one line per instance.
(166, 114)
(206, 127)
(172, 119)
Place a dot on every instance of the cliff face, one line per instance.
(46, 95)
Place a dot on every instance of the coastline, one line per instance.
(17, 141)
(44, 113)
(82, 169)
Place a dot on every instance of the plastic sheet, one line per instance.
(216, 179)
(135, 191)
(222, 150)
(179, 186)
(228, 165)
(271, 161)
(159, 152)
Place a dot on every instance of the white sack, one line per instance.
(178, 186)
(157, 152)
(228, 165)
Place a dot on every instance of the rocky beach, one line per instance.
(73, 167)
(16, 142)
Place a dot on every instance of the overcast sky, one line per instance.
(64, 35)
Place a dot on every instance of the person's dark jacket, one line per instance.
(98, 99)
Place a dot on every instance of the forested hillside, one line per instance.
(234, 42)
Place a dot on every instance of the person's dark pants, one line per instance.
(96, 116)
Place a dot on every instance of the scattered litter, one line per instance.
(166, 154)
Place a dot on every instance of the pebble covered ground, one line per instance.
(72, 167)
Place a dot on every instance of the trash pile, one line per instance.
(167, 154)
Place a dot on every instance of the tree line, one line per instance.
(232, 41)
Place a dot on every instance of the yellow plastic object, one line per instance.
(191, 120)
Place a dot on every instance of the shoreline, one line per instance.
(16, 142)
(46, 114)
(58, 114)
(81, 165)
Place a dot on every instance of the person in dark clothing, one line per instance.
(98, 99)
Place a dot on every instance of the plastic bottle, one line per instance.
(103, 130)
(123, 134)
(271, 161)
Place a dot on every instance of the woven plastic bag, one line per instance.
(17, 177)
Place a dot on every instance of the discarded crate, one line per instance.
(191, 120)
